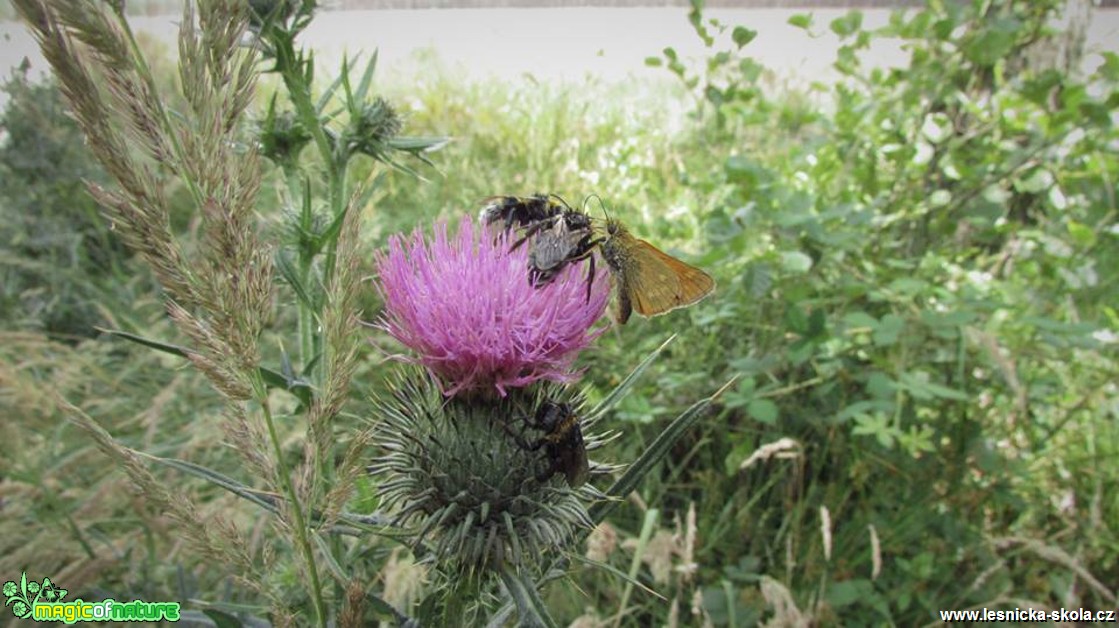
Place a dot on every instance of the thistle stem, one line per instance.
(299, 90)
(284, 474)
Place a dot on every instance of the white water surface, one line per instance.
(569, 44)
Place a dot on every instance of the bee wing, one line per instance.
(657, 283)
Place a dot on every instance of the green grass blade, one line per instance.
(618, 573)
(355, 525)
(419, 143)
(647, 527)
(273, 379)
(651, 456)
(622, 389)
(268, 501)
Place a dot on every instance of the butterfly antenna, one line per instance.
(601, 204)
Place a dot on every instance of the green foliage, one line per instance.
(58, 251)
(913, 289)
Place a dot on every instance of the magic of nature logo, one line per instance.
(42, 601)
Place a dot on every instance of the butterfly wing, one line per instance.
(657, 283)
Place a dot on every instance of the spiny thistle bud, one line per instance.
(282, 136)
(474, 480)
(371, 128)
(485, 456)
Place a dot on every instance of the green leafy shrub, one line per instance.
(912, 289)
(58, 249)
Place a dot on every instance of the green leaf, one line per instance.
(741, 395)
(1057, 198)
(848, 24)
(917, 440)
(846, 61)
(796, 320)
(366, 78)
(763, 411)
(908, 286)
(647, 526)
(796, 262)
(653, 62)
(951, 319)
(222, 619)
(880, 385)
(817, 323)
(993, 43)
(617, 573)
(889, 329)
(260, 498)
(876, 425)
(937, 127)
(1035, 181)
(918, 384)
(290, 274)
(266, 500)
(923, 152)
(742, 36)
(860, 319)
(750, 70)
(801, 20)
(848, 592)
(1109, 69)
(940, 198)
(418, 143)
(1081, 234)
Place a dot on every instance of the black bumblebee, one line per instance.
(560, 234)
(562, 443)
(521, 211)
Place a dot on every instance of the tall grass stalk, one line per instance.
(222, 295)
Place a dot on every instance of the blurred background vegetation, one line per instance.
(917, 291)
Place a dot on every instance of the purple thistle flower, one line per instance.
(466, 307)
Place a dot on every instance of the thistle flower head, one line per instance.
(485, 481)
(465, 305)
(470, 480)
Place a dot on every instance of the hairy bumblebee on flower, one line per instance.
(521, 211)
(560, 234)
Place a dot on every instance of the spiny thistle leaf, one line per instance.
(533, 611)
